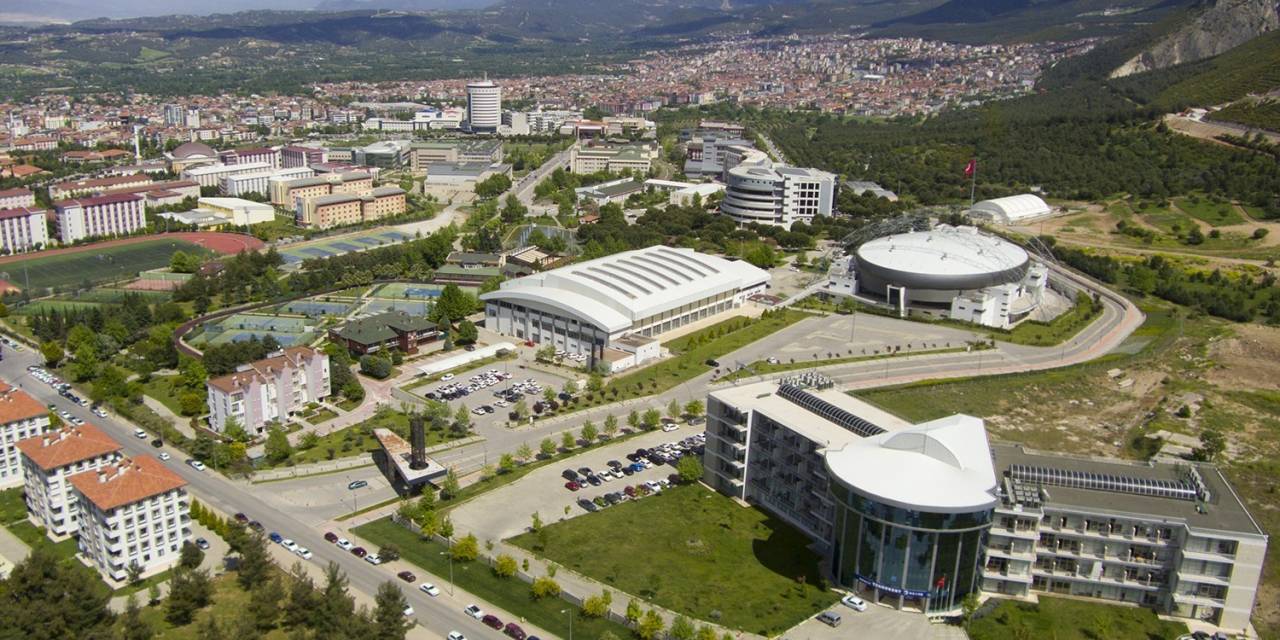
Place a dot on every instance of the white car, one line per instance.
(455, 635)
(164, 455)
(653, 486)
(408, 612)
(474, 611)
(97, 411)
(854, 602)
(344, 544)
(670, 426)
(303, 552)
(447, 377)
(197, 465)
(373, 559)
(430, 589)
(140, 434)
(289, 544)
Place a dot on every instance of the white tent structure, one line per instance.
(1011, 210)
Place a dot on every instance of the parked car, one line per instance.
(303, 552)
(157, 443)
(196, 464)
(829, 618)
(854, 602)
(570, 474)
(357, 484)
(373, 559)
(474, 611)
(491, 621)
(407, 576)
(344, 544)
(513, 630)
(137, 433)
(454, 635)
(289, 544)
(408, 612)
(588, 505)
(572, 486)
(256, 526)
(429, 589)
(97, 411)
(164, 456)
(330, 536)
(274, 537)
(359, 552)
(202, 543)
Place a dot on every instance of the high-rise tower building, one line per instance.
(484, 106)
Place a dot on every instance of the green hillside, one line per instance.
(1253, 67)
(1262, 113)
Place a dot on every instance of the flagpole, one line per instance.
(973, 184)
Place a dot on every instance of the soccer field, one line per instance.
(94, 265)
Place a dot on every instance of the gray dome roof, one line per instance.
(192, 149)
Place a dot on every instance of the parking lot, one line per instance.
(881, 623)
(494, 391)
(508, 511)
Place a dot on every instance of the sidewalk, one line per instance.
(183, 425)
(12, 549)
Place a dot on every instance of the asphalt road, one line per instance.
(230, 497)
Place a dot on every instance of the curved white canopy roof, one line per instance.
(942, 466)
(943, 251)
(1014, 208)
(615, 291)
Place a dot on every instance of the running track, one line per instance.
(224, 243)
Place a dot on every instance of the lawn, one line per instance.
(228, 606)
(1065, 619)
(477, 578)
(33, 535)
(96, 264)
(12, 507)
(323, 415)
(1215, 213)
(696, 348)
(1056, 331)
(165, 389)
(762, 367)
(696, 552)
(358, 439)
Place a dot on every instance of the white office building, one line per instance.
(777, 195)
(259, 182)
(21, 417)
(48, 462)
(212, 175)
(589, 306)
(484, 106)
(133, 512)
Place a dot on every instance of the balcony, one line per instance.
(1213, 556)
(1022, 533)
(1203, 578)
(1197, 599)
(1010, 551)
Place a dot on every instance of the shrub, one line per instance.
(544, 587)
(504, 566)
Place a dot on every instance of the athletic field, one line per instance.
(94, 264)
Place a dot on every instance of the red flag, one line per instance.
(971, 167)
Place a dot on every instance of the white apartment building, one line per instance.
(269, 390)
(779, 195)
(23, 229)
(114, 214)
(237, 185)
(212, 175)
(49, 460)
(21, 417)
(16, 198)
(484, 106)
(134, 512)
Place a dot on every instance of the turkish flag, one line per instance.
(971, 167)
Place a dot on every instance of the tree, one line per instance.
(633, 420)
(595, 383)
(278, 448)
(389, 552)
(706, 632)
(466, 549)
(132, 625)
(264, 605)
(506, 463)
(389, 621)
(968, 606)
(504, 566)
(521, 409)
(189, 591)
(1212, 444)
(651, 418)
(650, 626)
(673, 408)
(544, 587)
(47, 599)
(191, 556)
(633, 611)
(450, 487)
(52, 353)
(375, 366)
(610, 425)
(547, 448)
(336, 609)
(255, 561)
(133, 573)
(693, 408)
(303, 598)
(85, 366)
(524, 452)
(467, 332)
(589, 432)
(681, 629)
(191, 403)
(462, 419)
(567, 441)
(689, 469)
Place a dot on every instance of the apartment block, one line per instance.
(16, 198)
(21, 417)
(23, 229)
(333, 210)
(286, 192)
(133, 512)
(260, 181)
(48, 462)
(269, 390)
(212, 175)
(265, 155)
(101, 216)
(296, 156)
(70, 189)
(603, 156)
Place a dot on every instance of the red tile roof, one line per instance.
(9, 193)
(98, 200)
(129, 481)
(20, 212)
(67, 445)
(16, 405)
(293, 356)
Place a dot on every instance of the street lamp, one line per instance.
(449, 553)
(569, 612)
(354, 507)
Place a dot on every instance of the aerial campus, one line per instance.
(886, 332)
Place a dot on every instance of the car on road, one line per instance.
(513, 630)
(202, 543)
(711, 362)
(137, 433)
(289, 544)
(330, 536)
(829, 618)
(408, 611)
(373, 559)
(345, 544)
(454, 635)
(196, 464)
(359, 552)
(275, 537)
(241, 518)
(97, 411)
(670, 426)
(429, 589)
(157, 443)
(357, 484)
(474, 611)
(407, 576)
(164, 455)
(303, 553)
(854, 602)
(491, 621)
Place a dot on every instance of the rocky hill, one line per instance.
(1219, 27)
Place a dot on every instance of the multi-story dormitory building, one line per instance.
(918, 516)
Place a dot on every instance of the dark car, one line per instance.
(157, 443)
(594, 480)
(640, 453)
(628, 470)
(491, 621)
(406, 576)
(570, 475)
(613, 498)
(587, 504)
(330, 536)
(275, 537)
(614, 464)
(241, 518)
(256, 526)
(711, 362)
(630, 490)
(632, 457)
(586, 471)
(359, 552)
(512, 629)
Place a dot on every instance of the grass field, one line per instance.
(358, 439)
(477, 578)
(228, 606)
(1063, 619)
(46, 306)
(12, 508)
(95, 265)
(696, 552)
(166, 389)
(1217, 214)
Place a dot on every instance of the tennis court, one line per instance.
(412, 307)
(408, 290)
(326, 248)
(285, 339)
(316, 309)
